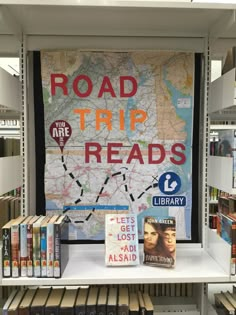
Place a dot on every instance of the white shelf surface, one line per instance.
(220, 173)
(10, 173)
(222, 94)
(87, 266)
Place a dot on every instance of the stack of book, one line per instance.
(82, 300)
(31, 246)
(225, 302)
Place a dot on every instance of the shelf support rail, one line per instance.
(24, 128)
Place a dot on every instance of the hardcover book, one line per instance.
(52, 306)
(102, 301)
(50, 245)
(123, 301)
(24, 307)
(80, 304)
(15, 246)
(61, 251)
(159, 241)
(227, 230)
(149, 308)
(121, 240)
(91, 305)
(8, 302)
(23, 246)
(222, 303)
(133, 304)
(13, 308)
(112, 302)
(30, 246)
(6, 249)
(67, 306)
(39, 301)
(36, 247)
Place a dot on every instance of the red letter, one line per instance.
(95, 152)
(61, 84)
(135, 155)
(122, 86)
(151, 153)
(178, 153)
(109, 88)
(89, 86)
(110, 152)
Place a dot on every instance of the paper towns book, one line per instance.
(159, 238)
(121, 240)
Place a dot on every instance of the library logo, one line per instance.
(169, 183)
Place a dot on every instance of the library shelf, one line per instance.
(219, 179)
(11, 175)
(10, 91)
(86, 266)
(222, 96)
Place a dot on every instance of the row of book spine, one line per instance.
(10, 208)
(225, 302)
(9, 147)
(31, 246)
(78, 301)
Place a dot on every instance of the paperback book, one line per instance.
(159, 241)
(121, 240)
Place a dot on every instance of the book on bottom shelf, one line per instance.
(8, 302)
(159, 241)
(91, 305)
(223, 304)
(149, 308)
(81, 300)
(112, 302)
(123, 301)
(67, 306)
(52, 306)
(102, 301)
(24, 307)
(13, 308)
(133, 304)
(39, 301)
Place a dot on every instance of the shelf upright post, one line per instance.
(24, 127)
(204, 133)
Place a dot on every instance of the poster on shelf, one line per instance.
(118, 137)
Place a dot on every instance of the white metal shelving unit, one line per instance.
(27, 25)
(10, 167)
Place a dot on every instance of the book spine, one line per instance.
(80, 310)
(67, 311)
(36, 251)
(50, 249)
(111, 309)
(233, 249)
(57, 251)
(30, 250)
(23, 249)
(15, 250)
(6, 252)
(43, 251)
